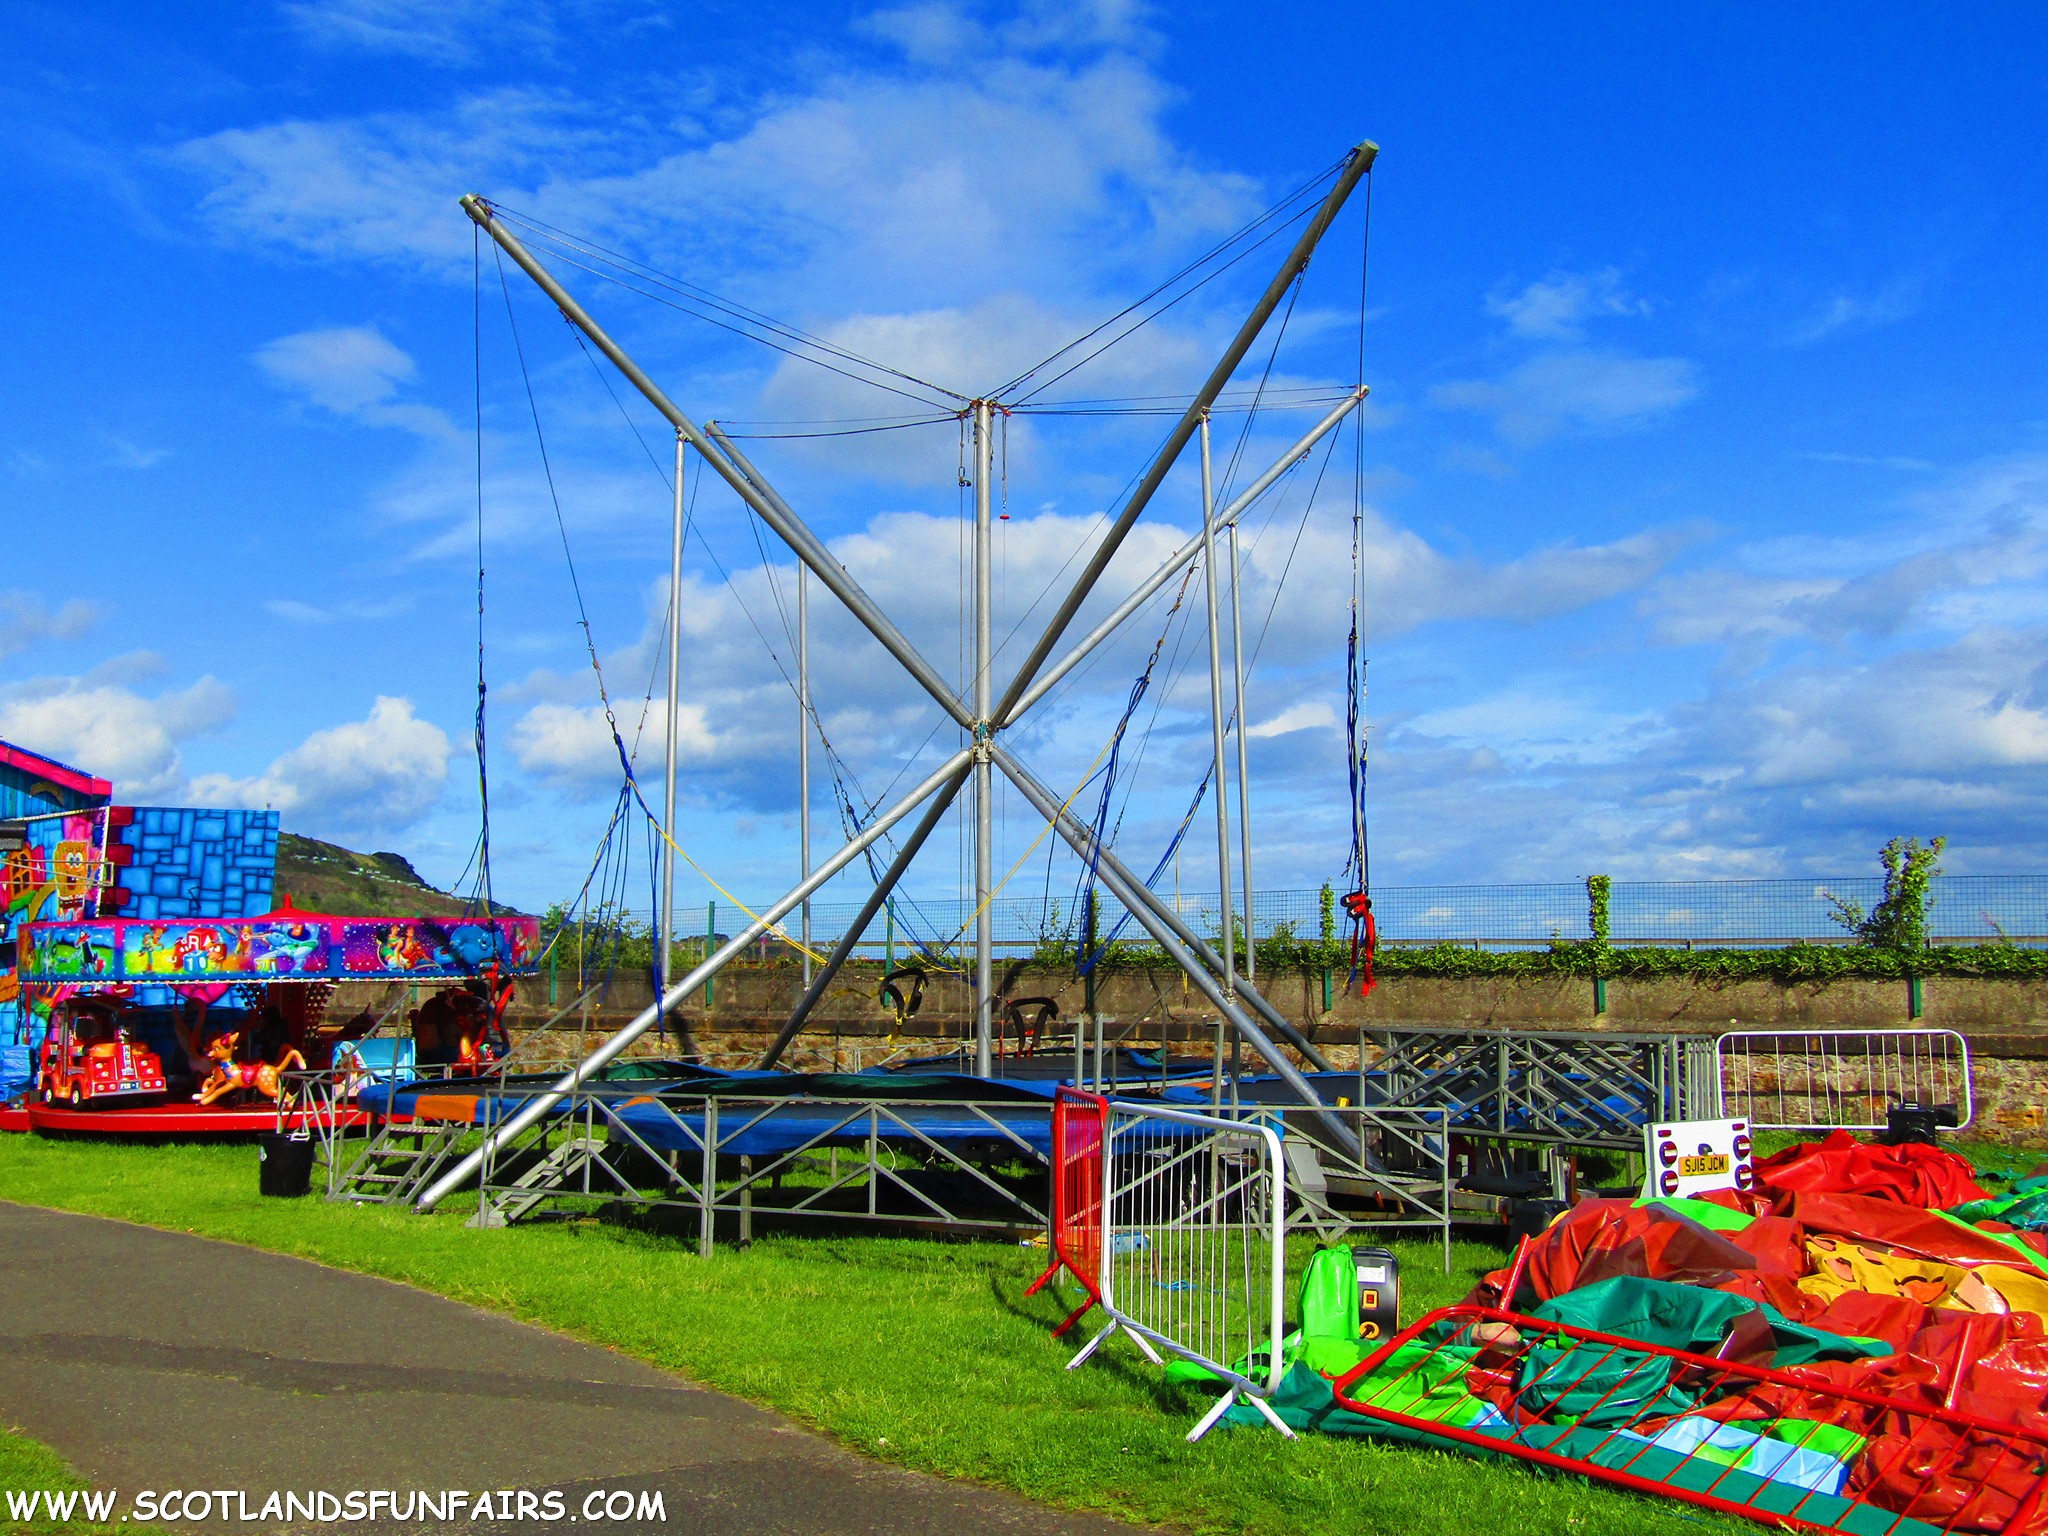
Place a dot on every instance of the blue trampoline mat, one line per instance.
(756, 1130)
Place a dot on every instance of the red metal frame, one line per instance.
(1907, 1422)
(1080, 1130)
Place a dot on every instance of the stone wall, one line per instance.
(2006, 1022)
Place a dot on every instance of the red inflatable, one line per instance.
(1910, 1174)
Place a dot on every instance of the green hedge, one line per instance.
(1792, 965)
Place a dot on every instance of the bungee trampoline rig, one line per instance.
(963, 1144)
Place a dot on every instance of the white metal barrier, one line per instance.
(1841, 1079)
(1193, 1255)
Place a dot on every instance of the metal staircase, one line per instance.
(546, 1178)
(397, 1162)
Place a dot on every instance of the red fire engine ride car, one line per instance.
(89, 1057)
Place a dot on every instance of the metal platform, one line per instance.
(1582, 1089)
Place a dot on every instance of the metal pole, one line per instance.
(803, 756)
(538, 1106)
(1218, 772)
(984, 781)
(1244, 781)
(1356, 164)
(1143, 894)
(1217, 775)
(1179, 558)
(668, 790)
(1082, 841)
(773, 510)
(933, 815)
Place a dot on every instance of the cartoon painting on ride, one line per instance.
(67, 854)
(425, 947)
(287, 944)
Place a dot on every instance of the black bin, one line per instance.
(284, 1164)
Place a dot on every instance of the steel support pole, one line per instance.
(1356, 164)
(1244, 780)
(1217, 774)
(772, 509)
(1195, 943)
(668, 788)
(1082, 841)
(615, 1046)
(1179, 558)
(984, 780)
(934, 814)
(803, 756)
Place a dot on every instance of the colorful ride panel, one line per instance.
(282, 945)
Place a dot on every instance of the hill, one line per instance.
(325, 877)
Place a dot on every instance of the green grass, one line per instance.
(30, 1465)
(917, 1352)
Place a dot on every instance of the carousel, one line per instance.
(204, 1025)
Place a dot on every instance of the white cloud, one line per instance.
(26, 620)
(1971, 554)
(1310, 714)
(128, 455)
(566, 742)
(1555, 308)
(1589, 391)
(297, 611)
(108, 729)
(1850, 312)
(379, 774)
(438, 31)
(832, 188)
(351, 370)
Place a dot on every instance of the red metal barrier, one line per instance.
(1080, 1128)
(1922, 1465)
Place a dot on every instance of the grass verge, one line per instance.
(30, 1467)
(917, 1352)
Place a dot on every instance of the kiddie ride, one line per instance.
(219, 1025)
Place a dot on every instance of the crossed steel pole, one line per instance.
(979, 718)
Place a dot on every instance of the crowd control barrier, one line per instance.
(1188, 1242)
(1080, 1129)
(1841, 1079)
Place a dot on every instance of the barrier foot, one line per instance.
(1210, 1419)
(1092, 1345)
(1215, 1415)
(1145, 1348)
(1272, 1418)
(1040, 1283)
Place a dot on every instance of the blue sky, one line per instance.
(1706, 469)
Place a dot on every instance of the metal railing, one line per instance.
(1592, 1088)
(1841, 1079)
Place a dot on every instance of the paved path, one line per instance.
(155, 1360)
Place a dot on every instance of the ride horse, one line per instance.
(231, 1076)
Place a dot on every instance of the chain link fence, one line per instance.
(1962, 909)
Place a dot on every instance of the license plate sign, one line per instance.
(1704, 1167)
